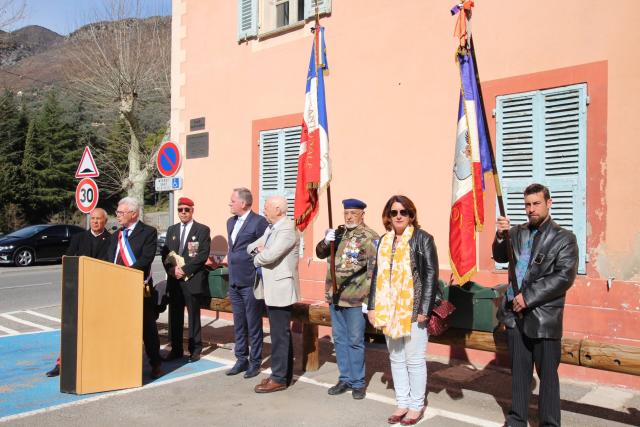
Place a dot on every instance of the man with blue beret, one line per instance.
(355, 255)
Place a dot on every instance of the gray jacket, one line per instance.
(278, 285)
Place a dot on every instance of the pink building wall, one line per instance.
(392, 94)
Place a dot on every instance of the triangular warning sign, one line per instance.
(87, 167)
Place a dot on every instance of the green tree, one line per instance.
(51, 154)
(13, 128)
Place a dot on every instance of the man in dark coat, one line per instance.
(93, 243)
(243, 228)
(543, 268)
(134, 246)
(186, 283)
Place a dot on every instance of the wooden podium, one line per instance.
(101, 339)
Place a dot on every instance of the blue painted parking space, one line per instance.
(25, 358)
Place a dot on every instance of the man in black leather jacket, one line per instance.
(544, 264)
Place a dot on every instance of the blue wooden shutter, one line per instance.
(279, 164)
(247, 19)
(324, 6)
(541, 137)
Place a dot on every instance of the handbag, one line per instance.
(439, 320)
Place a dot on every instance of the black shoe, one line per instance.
(339, 388)
(54, 372)
(252, 372)
(359, 393)
(194, 358)
(173, 355)
(237, 368)
(156, 371)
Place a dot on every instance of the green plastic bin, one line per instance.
(219, 282)
(476, 306)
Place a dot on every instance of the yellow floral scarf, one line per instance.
(394, 286)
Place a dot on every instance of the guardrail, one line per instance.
(584, 352)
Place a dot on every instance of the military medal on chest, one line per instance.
(350, 253)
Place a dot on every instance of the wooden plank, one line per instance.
(310, 348)
(591, 354)
(610, 357)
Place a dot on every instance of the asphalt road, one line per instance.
(35, 287)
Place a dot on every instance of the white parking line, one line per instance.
(25, 286)
(26, 322)
(44, 316)
(111, 393)
(8, 331)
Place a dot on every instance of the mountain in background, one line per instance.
(35, 57)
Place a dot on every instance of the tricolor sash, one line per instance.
(126, 254)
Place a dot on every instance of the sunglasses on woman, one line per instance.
(402, 212)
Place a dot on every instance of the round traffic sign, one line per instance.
(87, 195)
(168, 159)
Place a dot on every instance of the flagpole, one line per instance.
(494, 168)
(332, 245)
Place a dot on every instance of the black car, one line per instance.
(45, 242)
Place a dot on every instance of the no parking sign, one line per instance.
(168, 159)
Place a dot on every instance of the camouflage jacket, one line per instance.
(355, 261)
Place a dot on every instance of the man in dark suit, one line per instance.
(186, 283)
(92, 243)
(243, 228)
(543, 268)
(134, 246)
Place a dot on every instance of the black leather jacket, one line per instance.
(552, 270)
(424, 265)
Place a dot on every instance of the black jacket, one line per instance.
(86, 244)
(551, 272)
(424, 266)
(197, 282)
(143, 241)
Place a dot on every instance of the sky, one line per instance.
(65, 16)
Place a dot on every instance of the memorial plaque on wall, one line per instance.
(196, 124)
(198, 145)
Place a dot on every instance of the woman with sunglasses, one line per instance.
(403, 292)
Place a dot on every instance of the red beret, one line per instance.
(185, 201)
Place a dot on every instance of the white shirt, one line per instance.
(238, 225)
(184, 228)
(130, 230)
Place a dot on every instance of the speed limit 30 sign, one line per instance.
(87, 195)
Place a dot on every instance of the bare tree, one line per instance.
(121, 63)
(11, 11)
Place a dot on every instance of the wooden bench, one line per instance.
(584, 352)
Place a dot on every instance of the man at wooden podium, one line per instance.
(134, 245)
(92, 243)
(184, 255)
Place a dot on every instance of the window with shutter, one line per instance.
(279, 149)
(247, 19)
(324, 7)
(541, 137)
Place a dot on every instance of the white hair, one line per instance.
(132, 203)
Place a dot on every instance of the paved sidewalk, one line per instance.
(459, 395)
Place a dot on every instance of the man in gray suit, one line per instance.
(276, 255)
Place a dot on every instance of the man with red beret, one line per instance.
(184, 254)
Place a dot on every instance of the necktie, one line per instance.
(523, 263)
(183, 238)
(270, 228)
(236, 229)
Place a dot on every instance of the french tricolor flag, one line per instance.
(314, 169)
(472, 159)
